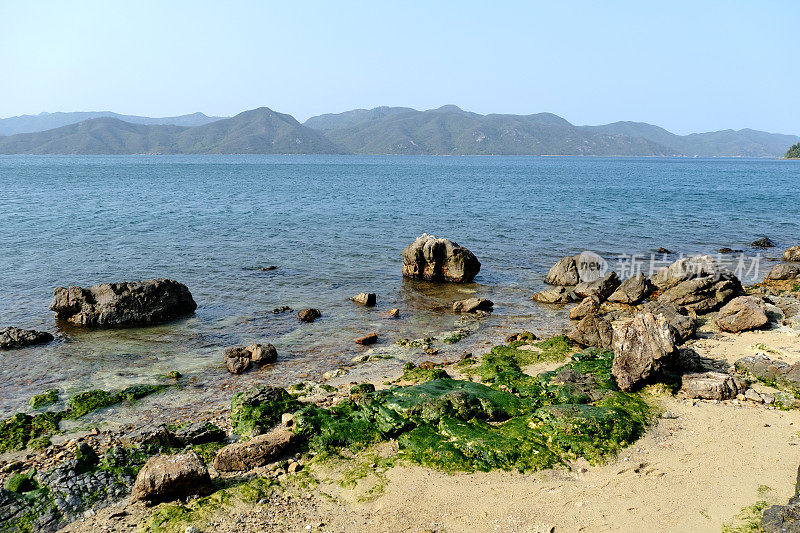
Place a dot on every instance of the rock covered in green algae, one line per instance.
(48, 397)
(257, 410)
(515, 422)
(18, 431)
(415, 374)
(85, 402)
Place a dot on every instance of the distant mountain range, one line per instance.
(49, 121)
(383, 130)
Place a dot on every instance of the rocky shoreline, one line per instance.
(526, 405)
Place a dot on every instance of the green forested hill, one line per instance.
(259, 131)
(793, 152)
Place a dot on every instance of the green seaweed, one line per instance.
(21, 429)
(257, 410)
(414, 374)
(513, 421)
(22, 482)
(86, 402)
(454, 338)
(48, 397)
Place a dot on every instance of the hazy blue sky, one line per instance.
(687, 66)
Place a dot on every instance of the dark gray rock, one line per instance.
(309, 315)
(199, 433)
(123, 304)
(704, 294)
(763, 242)
(258, 451)
(11, 338)
(159, 436)
(433, 259)
(239, 359)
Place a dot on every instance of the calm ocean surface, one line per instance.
(336, 226)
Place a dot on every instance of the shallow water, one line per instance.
(336, 226)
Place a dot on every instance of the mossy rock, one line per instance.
(415, 374)
(257, 410)
(20, 429)
(48, 397)
(86, 402)
(22, 482)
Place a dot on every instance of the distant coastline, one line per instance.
(446, 131)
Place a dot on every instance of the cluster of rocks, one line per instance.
(239, 359)
(644, 318)
(11, 338)
(789, 269)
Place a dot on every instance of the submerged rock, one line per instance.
(594, 331)
(365, 298)
(742, 314)
(11, 338)
(633, 290)
(763, 242)
(238, 359)
(433, 259)
(309, 315)
(368, 339)
(602, 288)
(792, 254)
(170, 477)
(712, 386)
(199, 433)
(123, 304)
(642, 348)
(471, 305)
(258, 451)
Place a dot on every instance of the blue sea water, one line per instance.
(336, 226)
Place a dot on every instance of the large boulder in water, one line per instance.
(642, 348)
(11, 338)
(435, 259)
(131, 303)
(742, 314)
(564, 272)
